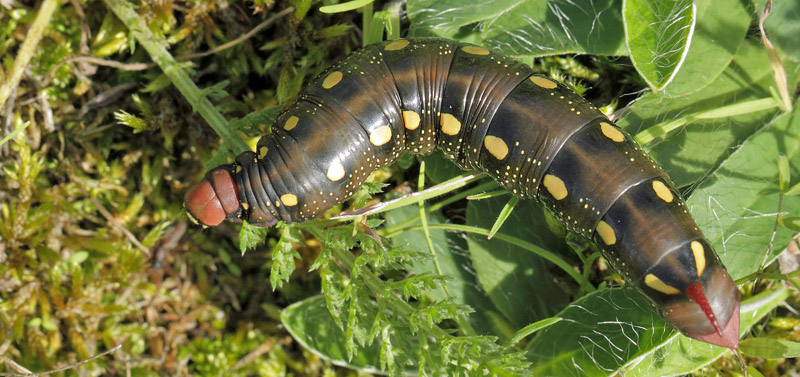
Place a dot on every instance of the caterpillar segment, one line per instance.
(488, 112)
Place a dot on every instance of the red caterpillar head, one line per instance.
(213, 199)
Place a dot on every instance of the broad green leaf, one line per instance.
(702, 144)
(311, 325)
(768, 348)
(519, 283)
(614, 332)
(525, 28)
(737, 205)
(782, 26)
(716, 38)
(658, 34)
(682, 355)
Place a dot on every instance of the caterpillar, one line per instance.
(487, 112)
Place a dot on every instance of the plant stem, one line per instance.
(156, 47)
(650, 134)
(28, 48)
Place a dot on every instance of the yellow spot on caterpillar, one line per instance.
(699, 257)
(663, 191)
(654, 282)
(332, 79)
(543, 82)
(496, 146)
(335, 171)
(450, 125)
(262, 152)
(291, 123)
(289, 200)
(380, 136)
(606, 233)
(555, 186)
(411, 119)
(475, 50)
(611, 132)
(397, 45)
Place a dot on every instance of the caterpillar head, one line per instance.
(696, 294)
(710, 312)
(213, 199)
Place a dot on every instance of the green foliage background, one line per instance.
(120, 106)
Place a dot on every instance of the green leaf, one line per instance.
(794, 190)
(784, 174)
(49, 325)
(753, 372)
(525, 28)
(658, 34)
(453, 261)
(504, 213)
(768, 348)
(614, 332)
(127, 119)
(783, 28)
(509, 274)
(251, 236)
(702, 144)
(532, 328)
(717, 36)
(312, 326)
(216, 91)
(79, 257)
(256, 118)
(345, 7)
(737, 205)
(332, 31)
(283, 256)
(791, 222)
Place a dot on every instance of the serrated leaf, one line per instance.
(312, 326)
(251, 236)
(283, 256)
(216, 91)
(453, 260)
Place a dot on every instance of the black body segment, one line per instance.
(488, 112)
